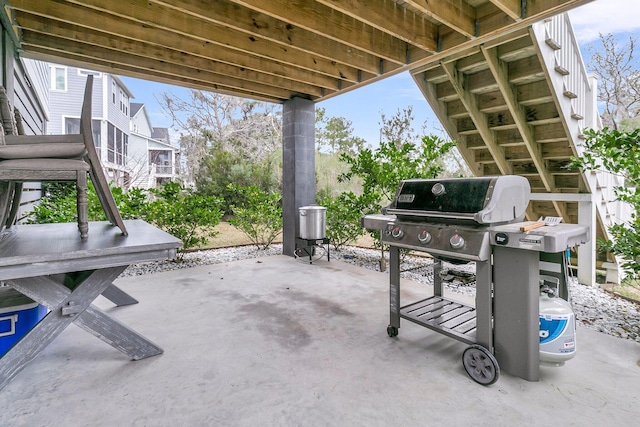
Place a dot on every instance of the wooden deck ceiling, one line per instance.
(270, 50)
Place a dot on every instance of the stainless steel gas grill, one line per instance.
(452, 219)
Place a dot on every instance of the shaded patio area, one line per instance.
(275, 341)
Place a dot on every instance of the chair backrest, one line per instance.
(97, 175)
(85, 119)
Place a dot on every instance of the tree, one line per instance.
(344, 212)
(383, 169)
(618, 83)
(398, 129)
(336, 134)
(618, 152)
(207, 120)
(220, 168)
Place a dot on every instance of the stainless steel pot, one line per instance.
(313, 222)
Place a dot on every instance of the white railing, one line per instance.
(576, 94)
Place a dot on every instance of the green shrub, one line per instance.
(178, 211)
(381, 171)
(183, 213)
(258, 215)
(618, 152)
(344, 213)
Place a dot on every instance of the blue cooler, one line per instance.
(18, 314)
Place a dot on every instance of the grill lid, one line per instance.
(484, 200)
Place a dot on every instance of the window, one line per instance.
(111, 144)
(125, 148)
(71, 125)
(113, 93)
(124, 102)
(117, 146)
(97, 133)
(59, 79)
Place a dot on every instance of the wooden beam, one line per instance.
(534, 93)
(123, 61)
(458, 15)
(156, 23)
(391, 18)
(226, 62)
(526, 70)
(546, 8)
(510, 7)
(479, 119)
(260, 28)
(501, 74)
(43, 54)
(494, 26)
(324, 22)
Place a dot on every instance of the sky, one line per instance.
(364, 106)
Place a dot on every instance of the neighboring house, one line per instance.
(110, 115)
(131, 153)
(152, 159)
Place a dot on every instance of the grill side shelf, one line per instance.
(443, 315)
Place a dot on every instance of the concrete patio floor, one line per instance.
(278, 342)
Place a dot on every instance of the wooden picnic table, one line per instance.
(50, 264)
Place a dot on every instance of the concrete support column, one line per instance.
(298, 166)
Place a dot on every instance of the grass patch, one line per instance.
(228, 235)
(628, 288)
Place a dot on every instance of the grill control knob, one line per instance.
(397, 233)
(438, 189)
(456, 241)
(424, 237)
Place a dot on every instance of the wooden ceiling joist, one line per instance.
(314, 49)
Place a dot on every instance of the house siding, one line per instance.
(67, 103)
(25, 82)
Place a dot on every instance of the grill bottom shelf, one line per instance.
(445, 316)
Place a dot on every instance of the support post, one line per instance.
(587, 252)
(298, 166)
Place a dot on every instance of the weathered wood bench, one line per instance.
(34, 259)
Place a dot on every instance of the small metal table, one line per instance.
(36, 259)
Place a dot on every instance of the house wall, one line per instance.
(141, 145)
(140, 124)
(59, 105)
(138, 161)
(109, 112)
(116, 116)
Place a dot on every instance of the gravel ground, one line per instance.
(593, 307)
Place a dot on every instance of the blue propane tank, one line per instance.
(557, 326)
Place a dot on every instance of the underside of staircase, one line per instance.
(519, 106)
